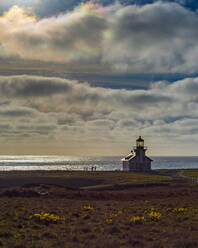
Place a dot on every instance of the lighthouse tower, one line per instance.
(137, 159)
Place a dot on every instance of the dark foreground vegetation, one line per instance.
(97, 209)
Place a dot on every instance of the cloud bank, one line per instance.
(58, 111)
(154, 38)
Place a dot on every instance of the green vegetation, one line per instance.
(107, 179)
(105, 176)
(85, 179)
(190, 173)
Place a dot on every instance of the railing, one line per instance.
(135, 147)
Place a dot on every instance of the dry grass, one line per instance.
(87, 222)
(168, 216)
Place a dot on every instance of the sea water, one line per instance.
(112, 163)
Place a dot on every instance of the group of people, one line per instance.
(93, 168)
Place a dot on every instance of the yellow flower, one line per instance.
(155, 216)
(47, 217)
(109, 221)
(113, 215)
(137, 220)
(195, 211)
(88, 207)
(179, 210)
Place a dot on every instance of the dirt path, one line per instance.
(192, 179)
(178, 176)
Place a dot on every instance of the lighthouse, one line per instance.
(137, 159)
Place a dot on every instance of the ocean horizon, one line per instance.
(101, 163)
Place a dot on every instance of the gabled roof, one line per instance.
(149, 158)
(129, 157)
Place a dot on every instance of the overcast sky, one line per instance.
(89, 78)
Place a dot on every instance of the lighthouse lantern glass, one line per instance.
(140, 144)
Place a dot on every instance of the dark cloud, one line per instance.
(153, 38)
(15, 113)
(4, 103)
(81, 101)
(4, 126)
(32, 86)
(65, 122)
(37, 127)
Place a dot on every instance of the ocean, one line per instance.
(8, 163)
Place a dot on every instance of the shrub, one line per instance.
(108, 220)
(47, 218)
(88, 207)
(179, 210)
(155, 216)
(137, 220)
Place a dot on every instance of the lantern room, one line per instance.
(139, 143)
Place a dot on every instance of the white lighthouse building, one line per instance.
(137, 159)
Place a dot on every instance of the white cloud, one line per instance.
(158, 37)
(60, 110)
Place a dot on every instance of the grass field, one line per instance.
(80, 179)
(190, 173)
(161, 214)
